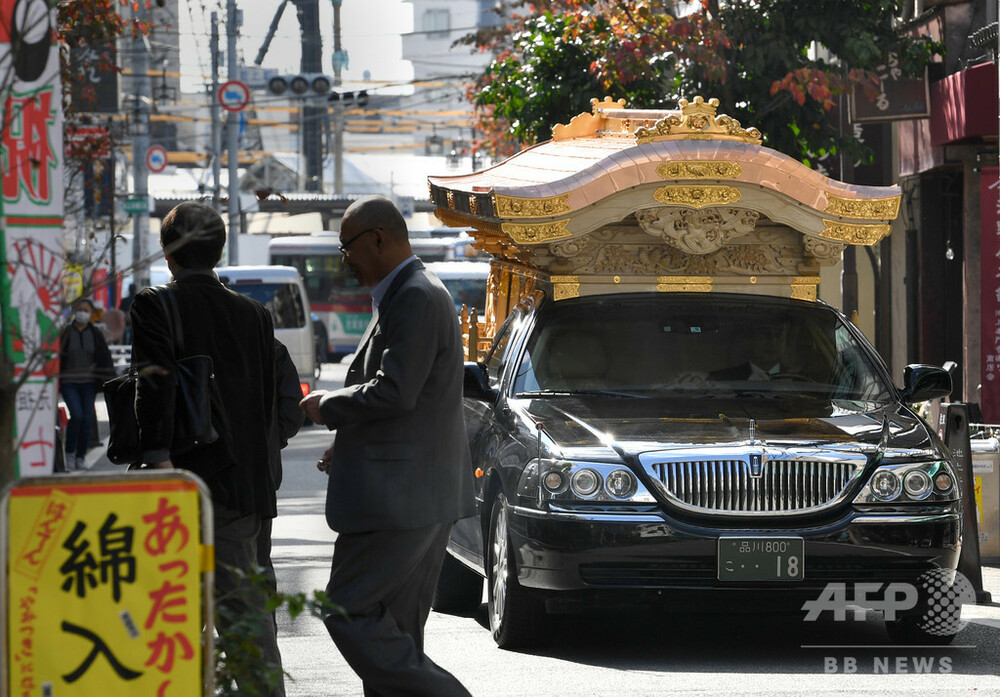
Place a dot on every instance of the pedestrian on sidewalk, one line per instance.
(84, 364)
(400, 472)
(238, 334)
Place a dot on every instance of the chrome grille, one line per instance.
(728, 486)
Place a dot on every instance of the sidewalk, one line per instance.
(97, 457)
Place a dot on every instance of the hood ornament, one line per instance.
(756, 458)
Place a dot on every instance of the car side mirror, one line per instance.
(922, 382)
(477, 384)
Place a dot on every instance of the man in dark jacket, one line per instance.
(400, 472)
(237, 333)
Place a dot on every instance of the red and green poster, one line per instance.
(31, 210)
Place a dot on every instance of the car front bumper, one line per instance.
(599, 551)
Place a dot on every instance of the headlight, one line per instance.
(620, 484)
(885, 485)
(565, 480)
(585, 482)
(917, 484)
(910, 482)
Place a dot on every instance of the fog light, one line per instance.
(885, 485)
(620, 484)
(554, 481)
(943, 483)
(917, 484)
(585, 482)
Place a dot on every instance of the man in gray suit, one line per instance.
(400, 473)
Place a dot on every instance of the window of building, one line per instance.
(437, 22)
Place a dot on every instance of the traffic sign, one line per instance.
(136, 205)
(156, 159)
(234, 95)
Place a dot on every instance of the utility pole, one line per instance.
(339, 58)
(216, 126)
(140, 146)
(232, 123)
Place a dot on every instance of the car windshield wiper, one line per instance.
(570, 393)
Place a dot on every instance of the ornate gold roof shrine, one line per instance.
(635, 199)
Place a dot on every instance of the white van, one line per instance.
(280, 290)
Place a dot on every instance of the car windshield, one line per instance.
(703, 344)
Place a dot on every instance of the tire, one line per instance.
(459, 589)
(937, 619)
(516, 615)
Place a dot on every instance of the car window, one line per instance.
(283, 300)
(710, 344)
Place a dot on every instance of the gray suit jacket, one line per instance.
(400, 457)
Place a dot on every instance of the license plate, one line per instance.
(761, 558)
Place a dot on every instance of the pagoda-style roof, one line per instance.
(655, 198)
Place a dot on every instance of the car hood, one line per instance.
(597, 426)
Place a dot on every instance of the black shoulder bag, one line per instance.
(193, 379)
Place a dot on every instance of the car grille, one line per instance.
(727, 486)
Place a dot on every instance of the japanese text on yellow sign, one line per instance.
(104, 592)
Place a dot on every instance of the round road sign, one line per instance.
(234, 95)
(156, 159)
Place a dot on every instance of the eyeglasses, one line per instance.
(343, 247)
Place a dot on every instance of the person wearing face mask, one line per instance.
(84, 364)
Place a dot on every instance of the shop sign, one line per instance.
(989, 260)
(107, 586)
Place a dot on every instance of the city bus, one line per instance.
(336, 299)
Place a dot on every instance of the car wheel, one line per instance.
(459, 589)
(515, 613)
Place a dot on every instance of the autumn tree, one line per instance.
(782, 66)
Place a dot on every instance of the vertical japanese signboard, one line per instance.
(31, 210)
(989, 260)
(898, 97)
(107, 585)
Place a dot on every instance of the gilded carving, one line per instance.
(536, 234)
(867, 209)
(513, 207)
(699, 169)
(585, 124)
(697, 196)
(805, 288)
(854, 234)
(684, 284)
(473, 204)
(698, 121)
(697, 232)
(450, 197)
(564, 287)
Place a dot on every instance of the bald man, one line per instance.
(399, 466)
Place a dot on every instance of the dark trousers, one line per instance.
(384, 581)
(236, 548)
(79, 398)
